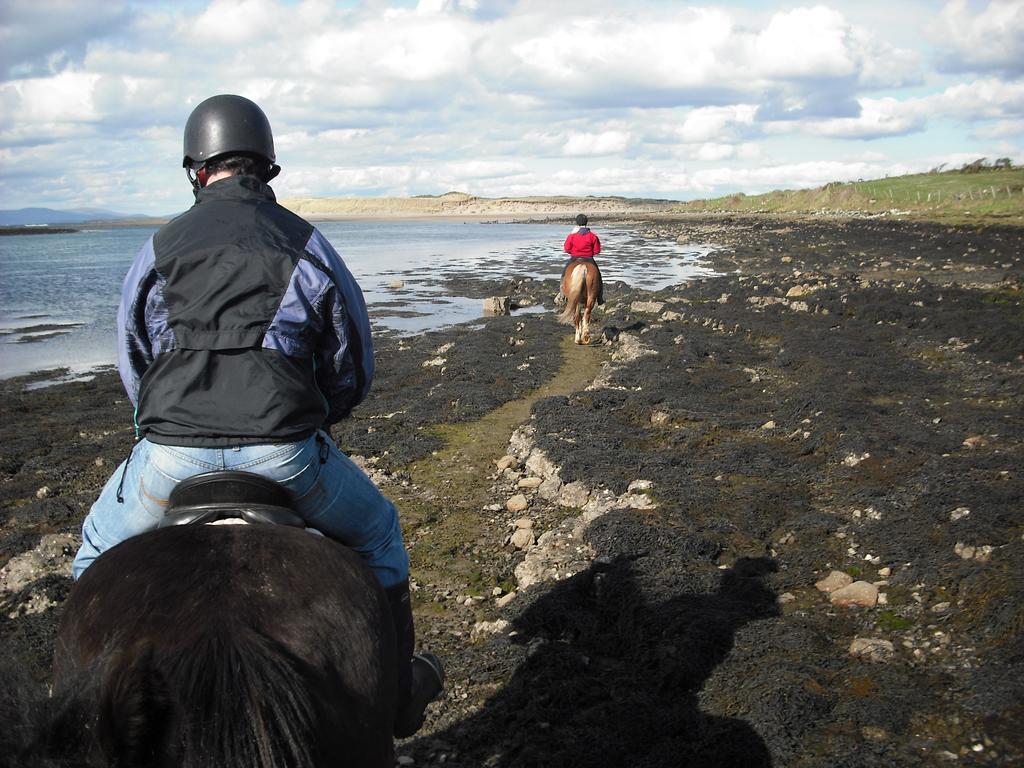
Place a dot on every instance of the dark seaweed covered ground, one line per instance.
(674, 648)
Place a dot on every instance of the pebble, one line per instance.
(860, 593)
(517, 503)
(43, 492)
(523, 522)
(835, 580)
(504, 600)
(768, 425)
(530, 482)
(490, 627)
(505, 462)
(872, 649)
(659, 417)
(523, 538)
(959, 513)
(405, 760)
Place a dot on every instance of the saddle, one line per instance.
(229, 495)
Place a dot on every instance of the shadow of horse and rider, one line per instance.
(262, 645)
(612, 677)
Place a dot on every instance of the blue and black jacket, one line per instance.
(240, 324)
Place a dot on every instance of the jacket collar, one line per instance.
(237, 188)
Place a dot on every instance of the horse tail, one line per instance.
(575, 288)
(249, 705)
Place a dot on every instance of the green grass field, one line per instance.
(988, 195)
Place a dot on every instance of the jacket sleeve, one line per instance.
(344, 355)
(134, 350)
(568, 243)
(597, 244)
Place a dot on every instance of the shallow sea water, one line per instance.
(59, 292)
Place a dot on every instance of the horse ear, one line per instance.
(138, 716)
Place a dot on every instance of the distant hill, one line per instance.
(976, 192)
(462, 204)
(26, 216)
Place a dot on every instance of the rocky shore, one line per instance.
(773, 518)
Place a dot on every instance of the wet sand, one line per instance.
(845, 397)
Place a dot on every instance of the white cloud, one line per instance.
(992, 39)
(596, 144)
(500, 97)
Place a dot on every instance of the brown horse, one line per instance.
(237, 646)
(581, 285)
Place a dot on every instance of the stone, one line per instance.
(640, 485)
(768, 425)
(537, 463)
(659, 417)
(53, 554)
(43, 492)
(958, 513)
(835, 580)
(860, 593)
(517, 503)
(523, 538)
(530, 483)
(498, 305)
(523, 522)
(505, 462)
(395, 284)
(872, 649)
(635, 501)
(550, 488)
(490, 627)
(975, 441)
(798, 290)
(573, 495)
(654, 307)
(852, 459)
(504, 600)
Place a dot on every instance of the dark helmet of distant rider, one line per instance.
(228, 133)
(581, 220)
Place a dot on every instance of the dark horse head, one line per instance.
(236, 645)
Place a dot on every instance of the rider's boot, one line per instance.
(420, 676)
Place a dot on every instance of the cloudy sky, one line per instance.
(506, 97)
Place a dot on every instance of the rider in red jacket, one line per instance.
(582, 243)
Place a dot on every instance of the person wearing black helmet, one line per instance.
(242, 336)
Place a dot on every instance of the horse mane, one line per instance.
(248, 705)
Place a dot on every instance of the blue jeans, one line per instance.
(335, 497)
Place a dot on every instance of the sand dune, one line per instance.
(460, 204)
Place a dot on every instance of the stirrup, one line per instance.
(426, 686)
(434, 664)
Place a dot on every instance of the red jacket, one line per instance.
(582, 244)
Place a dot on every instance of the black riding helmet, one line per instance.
(226, 124)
